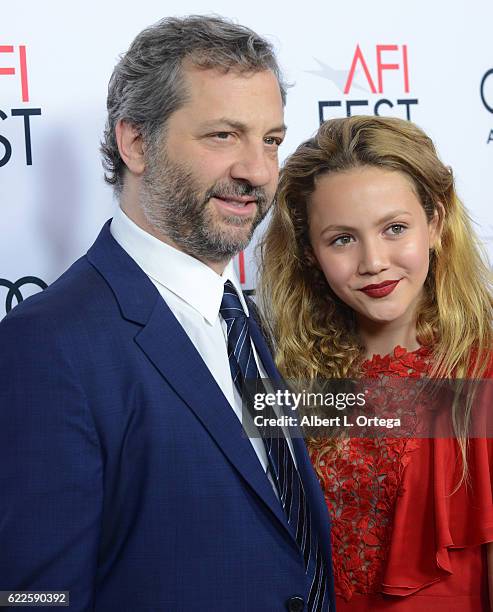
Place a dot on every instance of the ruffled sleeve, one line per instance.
(431, 520)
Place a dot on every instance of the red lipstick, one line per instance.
(380, 290)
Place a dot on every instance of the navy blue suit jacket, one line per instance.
(125, 477)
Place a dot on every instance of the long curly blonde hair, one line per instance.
(313, 331)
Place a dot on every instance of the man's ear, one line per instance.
(436, 227)
(130, 146)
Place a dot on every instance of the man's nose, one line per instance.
(254, 165)
(373, 257)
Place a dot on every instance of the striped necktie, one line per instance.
(282, 467)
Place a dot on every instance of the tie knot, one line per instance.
(231, 307)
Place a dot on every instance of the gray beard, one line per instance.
(175, 207)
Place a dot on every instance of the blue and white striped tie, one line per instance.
(284, 473)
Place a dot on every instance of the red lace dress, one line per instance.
(401, 540)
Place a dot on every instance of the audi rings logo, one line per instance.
(14, 289)
(486, 92)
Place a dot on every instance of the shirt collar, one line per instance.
(191, 280)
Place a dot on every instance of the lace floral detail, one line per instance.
(399, 363)
(361, 479)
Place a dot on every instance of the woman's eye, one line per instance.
(396, 228)
(341, 240)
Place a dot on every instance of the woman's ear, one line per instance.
(129, 140)
(310, 256)
(435, 227)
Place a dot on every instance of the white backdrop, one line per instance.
(427, 58)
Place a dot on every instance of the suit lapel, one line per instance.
(170, 350)
(314, 493)
(262, 348)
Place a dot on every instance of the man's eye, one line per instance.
(222, 135)
(273, 141)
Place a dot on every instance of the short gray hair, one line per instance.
(147, 84)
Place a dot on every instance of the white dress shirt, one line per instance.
(193, 292)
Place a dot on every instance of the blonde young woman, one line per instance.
(370, 267)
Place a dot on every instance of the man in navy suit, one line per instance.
(125, 475)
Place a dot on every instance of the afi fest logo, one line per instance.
(486, 91)
(13, 65)
(373, 71)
